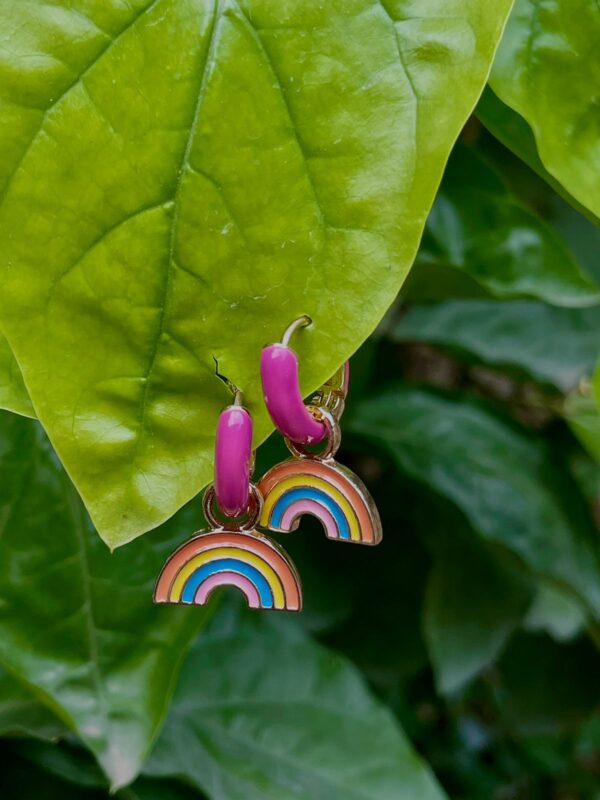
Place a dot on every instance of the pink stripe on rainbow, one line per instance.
(293, 513)
(228, 579)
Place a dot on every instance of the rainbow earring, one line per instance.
(311, 483)
(231, 552)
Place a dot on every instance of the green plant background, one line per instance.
(460, 658)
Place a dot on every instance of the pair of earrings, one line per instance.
(233, 552)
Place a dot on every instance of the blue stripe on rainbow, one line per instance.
(228, 565)
(318, 496)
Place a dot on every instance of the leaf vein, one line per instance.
(405, 69)
(105, 233)
(284, 758)
(61, 95)
(291, 117)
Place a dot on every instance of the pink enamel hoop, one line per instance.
(283, 397)
(233, 459)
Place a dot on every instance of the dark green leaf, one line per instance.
(548, 69)
(13, 394)
(554, 612)
(505, 482)
(585, 424)
(263, 713)
(76, 623)
(588, 741)
(22, 714)
(557, 346)
(146, 789)
(478, 227)
(474, 601)
(581, 235)
(22, 780)
(180, 180)
(76, 767)
(68, 761)
(546, 687)
(582, 412)
(383, 636)
(513, 131)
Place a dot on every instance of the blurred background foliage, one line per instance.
(461, 657)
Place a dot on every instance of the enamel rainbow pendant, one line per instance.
(310, 483)
(232, 552)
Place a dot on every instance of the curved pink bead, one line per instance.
(301, 507)
(233, 454)
(228, 579)
(281, 388)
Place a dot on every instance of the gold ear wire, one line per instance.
(235, 391)
(301, 322)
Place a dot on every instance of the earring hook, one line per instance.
(301, 322)
(235, 391)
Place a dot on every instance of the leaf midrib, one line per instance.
(167, 282)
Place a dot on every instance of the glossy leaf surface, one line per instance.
(548, 70)
(263, 713)
(180, 180)
(77, 624)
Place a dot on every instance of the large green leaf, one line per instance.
(181, 179)
(548, 69)
(480, 230)
(77, 624)
(263, 713)
(475, 600)
(557, 346)
(507, 484)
